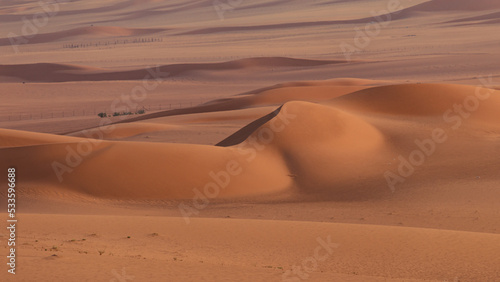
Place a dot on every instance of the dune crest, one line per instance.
(17, 138)
(120, 131)
(423, 100)
(94, 32)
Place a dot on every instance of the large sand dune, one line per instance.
(63, 73)
(14, 138)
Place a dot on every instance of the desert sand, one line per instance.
(251, 140)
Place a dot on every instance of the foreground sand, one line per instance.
(161, 248)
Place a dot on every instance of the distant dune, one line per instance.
(83, 33)
(123, 130)
(490, 18)
(406, 12)
(420, 100)
(15, 138)
(45, 72)
(13, 14)
(274, 95)
(284, 140)
(341, 135)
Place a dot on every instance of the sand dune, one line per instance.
(241, 135)
(457, 5)
(16, 138)
(165, 10)
(289, 141)
(402, 13)
(167, 166)
(290, 124)
(42, 72)
(482, 19)
(164, 161)
(83, 33)
(54, 72)
(280, 26)
(422, 100)
(329, 82)
(12, 10)
(313, 91)
(13, 14)
(439, 6)
(222, 249)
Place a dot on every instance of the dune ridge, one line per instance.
(13, 14)
(404, 13)
(420, 100)
(85, 33)
(324, 140)
(52, 72)
(170, 161)
(119, 131)
(313, 91)
(482, 18)
(17, 138)
(224, 244)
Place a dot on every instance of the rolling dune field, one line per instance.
(265, 140)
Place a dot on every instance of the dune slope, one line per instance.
(45, 72)
(277, 153)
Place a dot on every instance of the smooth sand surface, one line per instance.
(256, 149)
